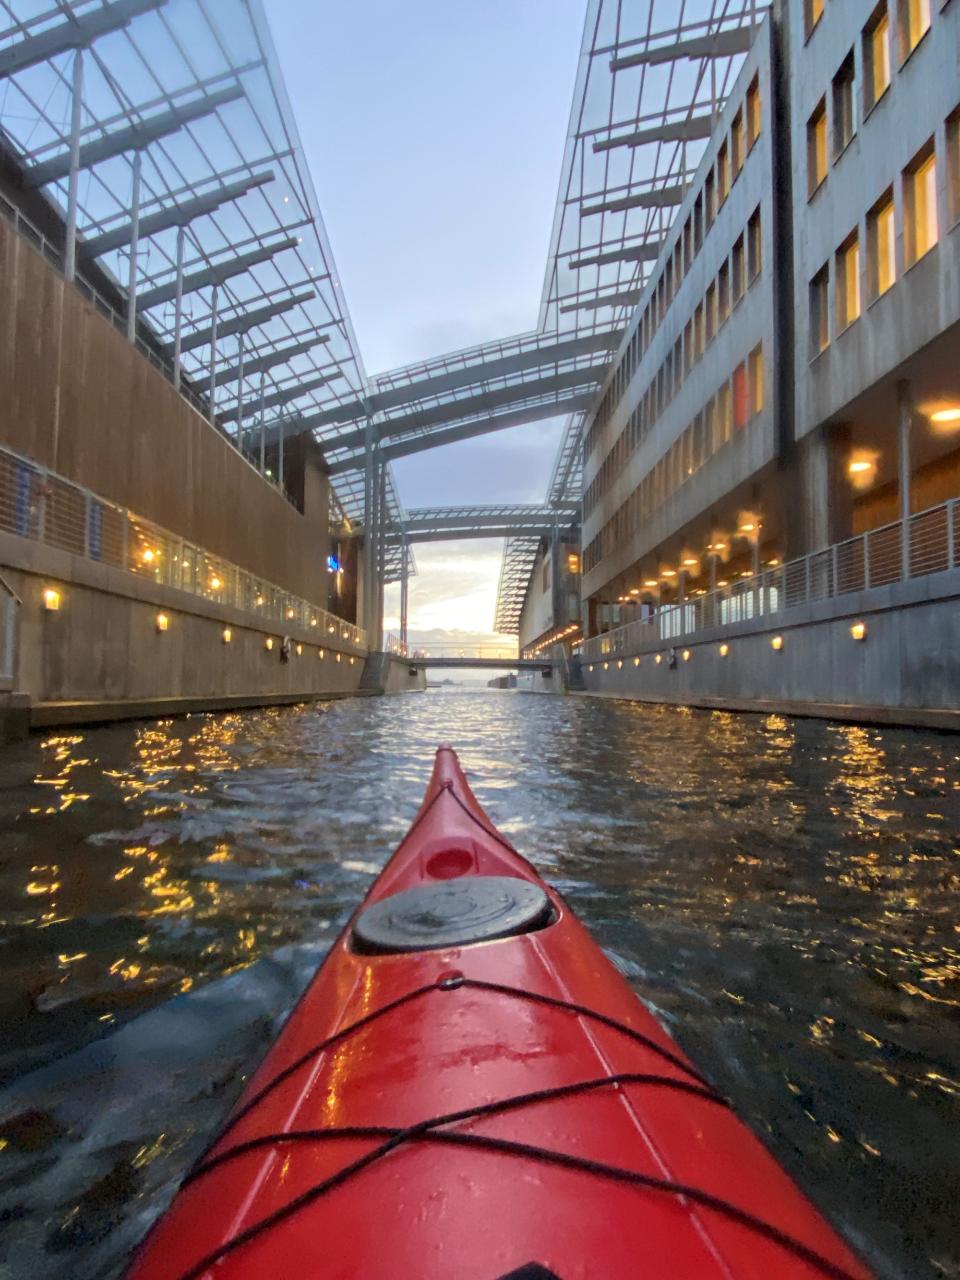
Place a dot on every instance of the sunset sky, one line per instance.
(434, 132)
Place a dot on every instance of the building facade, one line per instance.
(781, 424)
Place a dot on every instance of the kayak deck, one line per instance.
(590, 1147)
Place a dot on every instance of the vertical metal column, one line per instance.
(178, 310)
(382, 524)
(404, 590)
(369, 498)
(281, 439)
(134, 247)
(240, 338)
(215, 297)
(905, 402)
(263, 427)
(73, 187)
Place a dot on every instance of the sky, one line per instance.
(434, 131)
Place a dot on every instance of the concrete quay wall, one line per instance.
(101, 655)
(905, 671)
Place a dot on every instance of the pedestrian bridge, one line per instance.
(502, 657)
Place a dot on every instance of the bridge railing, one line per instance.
(38, 504)
(500, 653)
(930, 543)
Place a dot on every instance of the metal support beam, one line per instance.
(77, 33)
(404, 591)
(368, 523)
(263, 425)
(627, 298)
(247, 320)
(134, 247)
(281, 396)
(662, 198)
(73, 186)
(722, 44)
(467, 430)
(383, 516)
(216, 274)
(176, 215)
(178, 308)
(213, 357)
(270, 361)
(135, 138)
(689, 130)
(648, 252)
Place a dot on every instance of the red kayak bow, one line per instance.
(468, 1090)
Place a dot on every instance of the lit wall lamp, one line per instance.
(320, 654)
(724, 650)
(268, 643)
(352, 660)
(215, 583)
(299, 650)
(859, 631)
(148, 555)
(290, 615)
(636, 662)
(606, 666)
(687, 655)
(51, 600)
(338, 657)
(259, 600)
(163, 622)
(590, 668)
(619, 664)
(777, 643)
(227, 635)
(948, 418)
(658, 659)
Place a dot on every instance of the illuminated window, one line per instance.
(881, 246)
(844, 124)
(876, 57)
(757, 397)
(953, 166)
(817, 147)
(698, 332)
(723, 174)
(573, 562)
(709, 200)
(812, 12)
(736, 144)
(754, 245)
(920, 206)
(753, 112)
(741, 396)
(819, 312)
(847, 282)
(913, 21)
(736, 268)
(711, 313)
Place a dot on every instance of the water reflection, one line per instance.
(782, 891)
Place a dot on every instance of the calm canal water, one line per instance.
(783, 892)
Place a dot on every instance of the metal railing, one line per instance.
(36, 503)
(500, 652)
(892, 553)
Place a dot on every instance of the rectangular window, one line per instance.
(876, 57)
(723, 173)
(736, 144)
(741, 396)
(724, 413)
(920, 206)
(723, 294)
(817, 147)
(753, 112)
(754, 245)
(757, 391)
(688, 347)
(698, 332)
(881, 246)
(709, 201)
(737, 266)
(688, 242)
(847, 282)
(953, 166)
(812, 13)
(819, 312)
(844, 125)
(711, 310)
(698, 224)
(913, 23)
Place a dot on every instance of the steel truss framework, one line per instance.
(162, 132)
(430, 524)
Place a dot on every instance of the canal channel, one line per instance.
(784, 893)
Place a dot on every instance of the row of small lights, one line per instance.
(536, 651)
(148, 555)
(746, 530)
(52, 598)
(857, 632)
